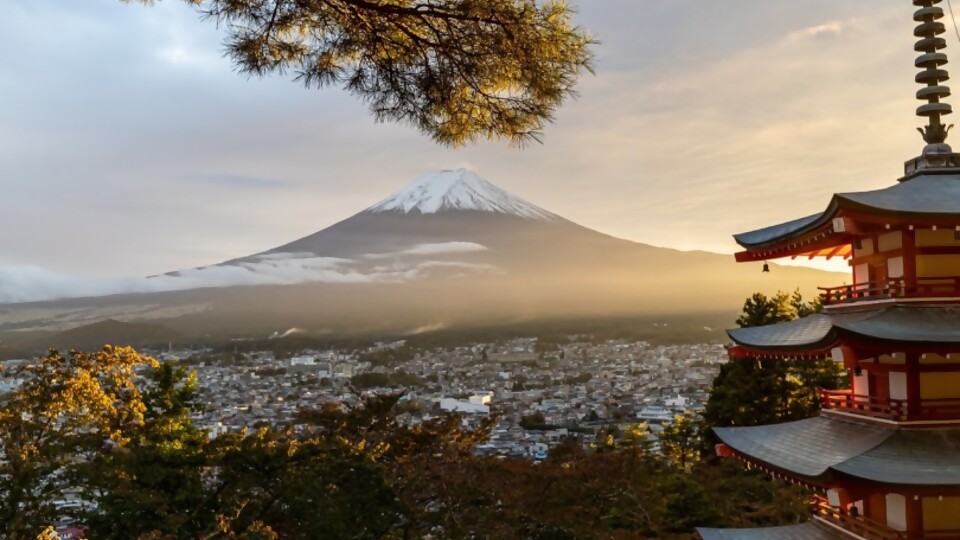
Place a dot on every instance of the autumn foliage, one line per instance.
(113, 429)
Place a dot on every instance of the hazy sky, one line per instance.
(129, 146)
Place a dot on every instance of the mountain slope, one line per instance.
(450, 249)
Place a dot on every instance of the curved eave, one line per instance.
(807, 448)
(927, 199)
(809, 235)
(818, 448)
(739, 352)
(773, 234)
(910, 457)
(934, 325)
(813, 332)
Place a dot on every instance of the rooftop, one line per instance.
(901, 323)
(928, 197)
(817, 448)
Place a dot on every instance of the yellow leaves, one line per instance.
(28, 452)
(49, 533)
(80, 393)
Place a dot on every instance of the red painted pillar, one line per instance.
(909, 262)
(914, 517)
(913, 384)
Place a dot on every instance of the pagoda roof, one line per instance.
(808, 448)
(804, 531)
(917, 324)
(926, 196)
(910, 457)
(817, 447)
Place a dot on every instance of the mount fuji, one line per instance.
(448, 250)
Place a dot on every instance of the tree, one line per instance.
(758, 392)
(46, 426)
(302, 486)
(687, 504)
(680, 442)
(458, 70)
(155, 484)
(533, 421)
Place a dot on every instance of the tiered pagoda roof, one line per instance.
(929, 199)
(822, 450)
(816, 334)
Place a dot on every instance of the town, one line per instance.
(540, 393)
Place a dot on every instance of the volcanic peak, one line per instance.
(459, 189)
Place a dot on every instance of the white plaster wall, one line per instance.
(897, 511)
(898, 385)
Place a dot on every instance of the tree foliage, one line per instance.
(458, 70)
(154, 484)
(769, 391)
(124, 440)
(680, 442)
(761, 310)
(45, 425)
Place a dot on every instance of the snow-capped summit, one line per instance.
(458, 190)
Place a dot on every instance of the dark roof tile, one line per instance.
(809, 447)
(929, 324)
(936, 195)
(805, 531)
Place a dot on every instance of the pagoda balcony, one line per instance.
(933, 287)
(859, 525)
(870, 529)
(897, 410)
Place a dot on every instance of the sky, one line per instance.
(129, 146)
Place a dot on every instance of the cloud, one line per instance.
(431, 249)
(33, 284)
(828, 29)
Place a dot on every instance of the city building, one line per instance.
(883, 457)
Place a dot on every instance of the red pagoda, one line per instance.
(883, 458)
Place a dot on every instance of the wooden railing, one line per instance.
(871, 529)
(934, 287)
(859, 525)
(892, 409)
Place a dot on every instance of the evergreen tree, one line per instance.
(155, 484)
(758, 392)
(680, 442)
(458, 70)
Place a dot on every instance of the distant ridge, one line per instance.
(112, 332)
